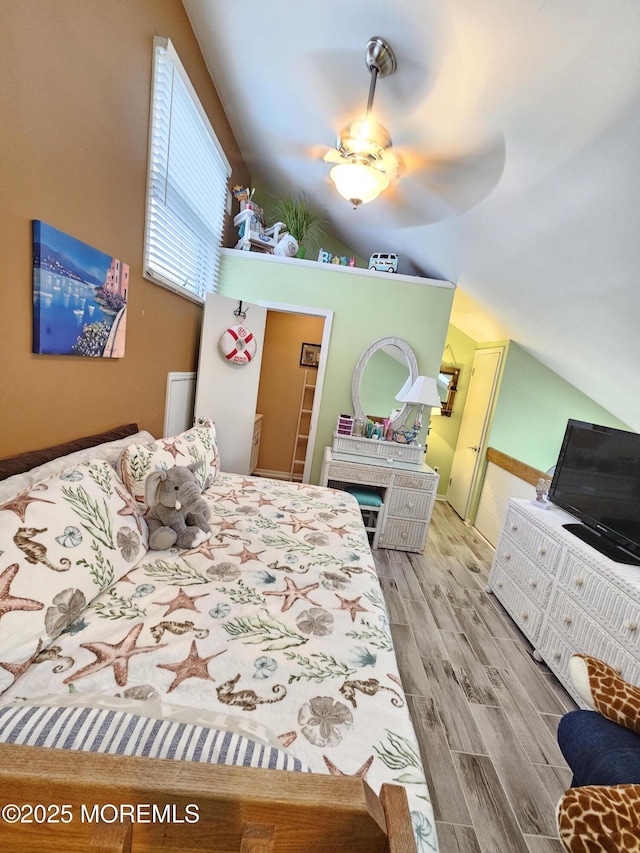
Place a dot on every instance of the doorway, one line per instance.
(309, 320)
(473, 429)
(227, 393)
(286, 392)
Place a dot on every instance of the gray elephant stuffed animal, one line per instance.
(177, 511)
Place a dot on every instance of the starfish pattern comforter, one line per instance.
(277, 619)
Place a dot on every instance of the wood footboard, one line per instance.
(59, 800)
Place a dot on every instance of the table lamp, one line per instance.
(423, 392)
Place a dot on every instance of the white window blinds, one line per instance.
(187, 183)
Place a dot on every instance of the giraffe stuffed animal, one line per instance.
(602, 818)
(605, 691)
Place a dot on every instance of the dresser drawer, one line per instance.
(369, 450)
(589, 637)
(534, 582)
(599, 595)
(583, 636)
(424, 482)
(391, 450)
(521, 608)
(556, 650)
(534, 542)
(409, 504)
(365, 474)
(403, 535)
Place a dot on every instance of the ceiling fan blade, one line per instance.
(339, 76)
(391, 163)
(333, 156)
(438, 187)
(465, 180)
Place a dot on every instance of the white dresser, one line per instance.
(566, 597)
(407, 498)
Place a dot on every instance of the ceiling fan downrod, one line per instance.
(381, 62)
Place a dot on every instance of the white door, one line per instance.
(227, 393)
(473, 428)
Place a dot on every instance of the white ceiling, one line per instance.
(519, 123)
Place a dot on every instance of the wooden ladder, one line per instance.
(302, 432)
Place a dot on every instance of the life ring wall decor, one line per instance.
(238, 345)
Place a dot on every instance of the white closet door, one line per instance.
(473, 428)
(225, 392)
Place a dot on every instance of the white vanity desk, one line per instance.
(396, 472)
(407, 496)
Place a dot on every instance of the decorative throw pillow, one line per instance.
(600, 817)
(63, 542)
(138, 460)
(603, 689)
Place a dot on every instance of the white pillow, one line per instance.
(110, 451)
(138, 460)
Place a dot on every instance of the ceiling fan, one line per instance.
(442, 183)
(364, 161)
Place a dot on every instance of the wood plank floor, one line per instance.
(484, 711)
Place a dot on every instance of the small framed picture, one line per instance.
(310, 355)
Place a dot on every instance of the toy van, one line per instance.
(383, 262)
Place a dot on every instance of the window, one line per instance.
(187, 183)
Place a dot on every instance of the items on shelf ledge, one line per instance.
(325, 257)
(384, 262)
(253, 233)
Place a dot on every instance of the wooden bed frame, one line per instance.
(109, 800)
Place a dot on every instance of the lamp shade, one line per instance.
(423, 392)
(358, 182)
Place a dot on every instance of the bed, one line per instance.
(242, 694)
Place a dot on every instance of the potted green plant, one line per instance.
(300, 221)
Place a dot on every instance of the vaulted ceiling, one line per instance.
(519, 126)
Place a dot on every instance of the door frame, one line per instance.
(478, 468)
(287, 308)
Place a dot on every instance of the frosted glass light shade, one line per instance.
(358, 182)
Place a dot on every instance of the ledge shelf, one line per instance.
(263, 257)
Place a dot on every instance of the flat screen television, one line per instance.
(597, 480)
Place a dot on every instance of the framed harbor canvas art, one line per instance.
(79, 297)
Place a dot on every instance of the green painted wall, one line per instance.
(366, 307)
(530, 414)
(533, 407)
(459, 352)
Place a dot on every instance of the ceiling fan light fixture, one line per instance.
(365, 137)
(358, 182)
(363, 155)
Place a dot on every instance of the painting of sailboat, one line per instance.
(79, 297)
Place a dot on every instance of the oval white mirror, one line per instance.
(382, 370)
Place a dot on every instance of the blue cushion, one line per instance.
(364, 496)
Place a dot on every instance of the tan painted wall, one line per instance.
(281, 380)
(74, 101)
